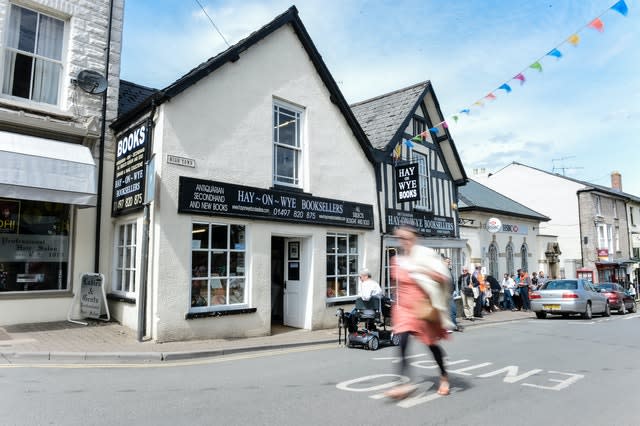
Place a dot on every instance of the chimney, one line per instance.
(616, 181)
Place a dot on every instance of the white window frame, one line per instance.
(35, 56)
(351, 261)
(126, 265)
(215, 280)
(424, 179)
(615, 209)
(598, 205)
(296, 115)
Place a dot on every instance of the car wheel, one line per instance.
(607, 310)
(587, 314)
(541, 315)
(374, 343)
(623, 309)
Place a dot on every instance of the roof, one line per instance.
(588, 186)
(131, 95)
(232, 54)
(382, 116)
(477, 197)
(385, 118)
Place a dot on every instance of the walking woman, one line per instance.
(419, 264)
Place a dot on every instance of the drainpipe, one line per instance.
(96, 262)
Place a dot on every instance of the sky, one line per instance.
(579, 116)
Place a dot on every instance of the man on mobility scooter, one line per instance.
(373, 309)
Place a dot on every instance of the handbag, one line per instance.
(425, 311)
(467, 291)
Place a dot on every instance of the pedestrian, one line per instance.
(496, 289)
(508, 286)
(482, 288)
(466, 286)
(541, 279)
(523, 286)
(453, 309)
(534, 282)
(415, 260)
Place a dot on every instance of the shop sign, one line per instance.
(407, 183)
(34, 248)
(223, 199)
(427, 225)
(603, 253)
(129, 170)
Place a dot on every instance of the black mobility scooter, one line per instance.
(369, 324)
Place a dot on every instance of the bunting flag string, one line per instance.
(574, 39)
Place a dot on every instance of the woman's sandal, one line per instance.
(444, 388)
(401, 391)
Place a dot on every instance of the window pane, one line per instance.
(342, 244)
(219, 264)
(50, 36)
(342, 286)
(353, 244)
(200, 236)
(236, 264)
(120, 257)
(342, 265)
(285, 165)
(237, 237)
(219, 236)
(27, 32)
(331, 264)
(21, 76)
(218, 292)
(331, 287)
(199, 263)
(236, 292)
(353, 265)
(353, 286)
(287, 128)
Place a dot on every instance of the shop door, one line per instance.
(293, 300)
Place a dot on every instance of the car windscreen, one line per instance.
(608, 287)
(561, 285)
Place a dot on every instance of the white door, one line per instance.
(293, 302)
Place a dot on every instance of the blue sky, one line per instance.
(580, 116)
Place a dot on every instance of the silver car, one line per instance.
(564, 297)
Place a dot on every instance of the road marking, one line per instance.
(170, 364)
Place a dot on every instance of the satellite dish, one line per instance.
(91, 82)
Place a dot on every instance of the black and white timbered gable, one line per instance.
(420, 170)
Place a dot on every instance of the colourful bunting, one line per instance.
(574, 39)
(597, 25)
(555, 52)
(621, 7)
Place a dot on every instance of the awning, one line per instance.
(46, 170)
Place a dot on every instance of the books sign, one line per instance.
(407, 183)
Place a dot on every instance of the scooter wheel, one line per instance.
(395, 339)
(374, 343)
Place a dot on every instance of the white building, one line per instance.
(589, 221)
(512, 242)
(51, 150)
(263, 207)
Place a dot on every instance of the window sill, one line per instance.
(286, 188)
(118, 298)
(42, 294)
(35, 107)
(236, 311)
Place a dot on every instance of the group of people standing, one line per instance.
(483, 293)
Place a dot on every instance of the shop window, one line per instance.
(287, 145)
(342, 265)
(218, 258)
(34, 245)
(125, 276)
(390, 284)
(33, 56)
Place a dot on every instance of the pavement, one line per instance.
(110, 342)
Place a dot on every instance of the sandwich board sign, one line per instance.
(92, 299)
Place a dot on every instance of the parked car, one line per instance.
(619, 298)
(570, 296)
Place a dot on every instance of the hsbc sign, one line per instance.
(514, 228)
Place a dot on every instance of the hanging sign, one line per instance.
(132, 148)
(494, 225)
(407, 183)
